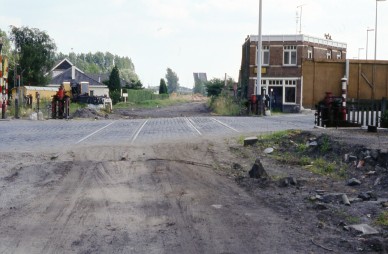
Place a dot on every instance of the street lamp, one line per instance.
(376, 28)
(359, 49)
(367, 34)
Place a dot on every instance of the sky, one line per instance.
(194, 35)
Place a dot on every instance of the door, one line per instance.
(276, 95)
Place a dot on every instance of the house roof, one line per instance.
(63, 65)
(68, 72)
(79, 76)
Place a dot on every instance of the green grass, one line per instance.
(325, 146)
(151, 103)
(75, 106)
(382, 219)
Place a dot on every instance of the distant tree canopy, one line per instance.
(137, 85)
(6, 49)
(102, 63)
(214, 87)
(35, 52)
(172, 81)
(163, 87)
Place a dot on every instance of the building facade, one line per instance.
(282, 63)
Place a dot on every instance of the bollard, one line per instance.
(3, 109)
(16, 108)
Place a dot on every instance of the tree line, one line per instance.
(35, 53)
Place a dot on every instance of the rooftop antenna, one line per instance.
(300, 17)
(297, 21)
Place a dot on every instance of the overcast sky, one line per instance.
(193, 35)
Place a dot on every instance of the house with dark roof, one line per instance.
(65, 71)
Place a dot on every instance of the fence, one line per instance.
(358, 113)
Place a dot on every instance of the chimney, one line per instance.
(72, 72)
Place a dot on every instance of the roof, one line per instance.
(79, 76)
(65, 74)
(63, 65)
(300, 37)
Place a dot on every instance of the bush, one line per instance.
(224, 105)
(115, 95)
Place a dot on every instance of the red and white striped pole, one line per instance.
(344, 95)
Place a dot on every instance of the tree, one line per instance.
(114, 79)
(137, 85)
(172, 81)
(114, 85)
(214, 87)
(163, 87)
(6, 49)
(128, 75)
(199, 87)
(36, 52)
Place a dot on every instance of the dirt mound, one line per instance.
(310, 172)
(88, 113)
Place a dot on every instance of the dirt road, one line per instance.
(133, 200)
(194, 196)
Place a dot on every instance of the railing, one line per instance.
(358, 113)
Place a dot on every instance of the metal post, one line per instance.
(344, 95)
(17, 100)
(259, 53)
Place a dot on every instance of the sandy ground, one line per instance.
(161, 199)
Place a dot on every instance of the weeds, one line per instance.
(382, 219)
(325, 146)
(225, 105)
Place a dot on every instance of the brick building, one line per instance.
(282, 61)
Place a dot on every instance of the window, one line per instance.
(273, 82)
(290, 96)
(339, 55)
(328, 54)
(265, 55)
(289, 56)
(310, 53)
(290, 91)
